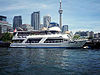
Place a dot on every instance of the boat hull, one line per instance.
(78, 44)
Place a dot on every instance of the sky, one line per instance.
(79, 15)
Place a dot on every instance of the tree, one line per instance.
(90, 37)
(76, 37)
(7, 37)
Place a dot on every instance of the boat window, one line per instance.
(24, 33)
(65, 40)
(17, 41)
(33, 40)
(72, 42)
(53, 41)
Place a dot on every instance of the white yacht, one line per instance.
(52, 38)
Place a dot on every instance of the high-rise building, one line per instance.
(46, 21)
(91, 34)
(17, 22)
(35, 20)
(65, 28)
(3, 18)
(97, 35)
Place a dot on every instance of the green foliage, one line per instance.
(7, 37)
(90, 37)
(76, 37)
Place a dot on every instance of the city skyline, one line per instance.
(78, 14)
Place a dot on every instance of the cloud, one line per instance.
(44, 6)
(78, 14)
(20, 5)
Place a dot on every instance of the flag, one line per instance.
(15, 30)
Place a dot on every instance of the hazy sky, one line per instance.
(78, 14)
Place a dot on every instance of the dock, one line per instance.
(93, 45)
(5, 44)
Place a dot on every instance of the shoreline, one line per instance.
(5, 44)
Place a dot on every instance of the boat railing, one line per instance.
(81, 40)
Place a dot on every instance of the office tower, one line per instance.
(17, 22)
(96, 35)
(65, 28)
(46, 21)
(60, 14)
(3, 18)
(35, 20)
(91, 34)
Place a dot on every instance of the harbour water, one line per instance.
(29, 61)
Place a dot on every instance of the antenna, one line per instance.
(60, 4)
(60, 12)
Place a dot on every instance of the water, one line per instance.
(24, 61)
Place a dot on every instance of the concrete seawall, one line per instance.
(93, 45)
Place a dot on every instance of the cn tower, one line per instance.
(60, 14)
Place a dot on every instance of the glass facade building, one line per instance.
(3, 18)
(65, 28)
(35, 20)
(17, 22)
(46, 21)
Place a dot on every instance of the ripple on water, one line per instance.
(30, 61)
